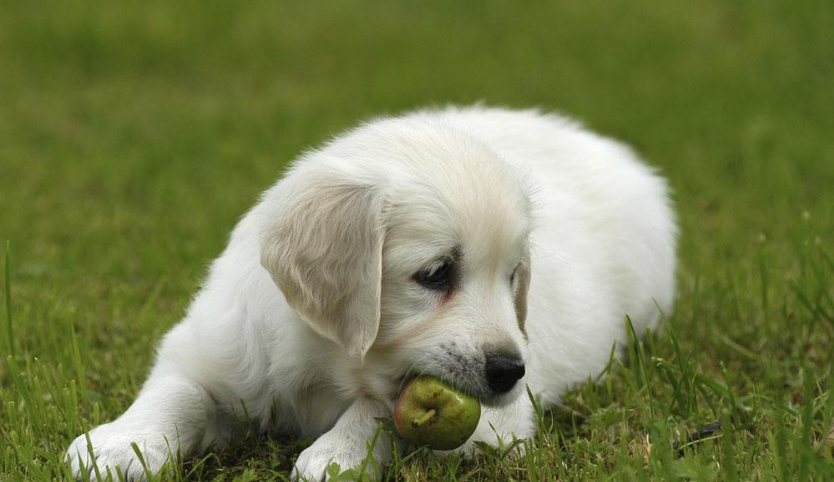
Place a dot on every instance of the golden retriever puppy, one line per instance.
(491, 248)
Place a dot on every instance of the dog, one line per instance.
(495, 249)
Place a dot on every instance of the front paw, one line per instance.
(112, 448)
(313, 463)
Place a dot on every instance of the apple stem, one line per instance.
(425, 418)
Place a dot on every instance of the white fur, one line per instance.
(342, 235)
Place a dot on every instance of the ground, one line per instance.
(133, 136)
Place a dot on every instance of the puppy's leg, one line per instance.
(169, 417)
(499, 426)
(346, 443)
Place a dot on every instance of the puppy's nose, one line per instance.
(502, 371)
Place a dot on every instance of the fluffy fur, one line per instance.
(313, 318)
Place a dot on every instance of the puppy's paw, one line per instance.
(112, 448)
(330, 448)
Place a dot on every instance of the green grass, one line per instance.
(133, 136)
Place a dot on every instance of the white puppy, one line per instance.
(494, 249)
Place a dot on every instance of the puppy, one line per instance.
(494, 249)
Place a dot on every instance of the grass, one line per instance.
(133, 136)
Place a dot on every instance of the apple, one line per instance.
(431, 412)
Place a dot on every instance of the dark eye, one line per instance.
(439, 277)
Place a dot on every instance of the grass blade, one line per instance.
(9, 325)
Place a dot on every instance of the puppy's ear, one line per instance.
(522, 288)
(322, 245)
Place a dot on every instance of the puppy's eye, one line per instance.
(439, 277)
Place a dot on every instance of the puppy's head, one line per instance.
(408, 247)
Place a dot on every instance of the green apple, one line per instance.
(431, 412)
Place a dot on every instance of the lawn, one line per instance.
(133, 136)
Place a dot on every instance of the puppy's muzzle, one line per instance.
(503, 370)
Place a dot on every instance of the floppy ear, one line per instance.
(521, 290)
(322, 245)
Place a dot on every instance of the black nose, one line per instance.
(502, 371)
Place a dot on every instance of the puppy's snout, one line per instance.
(503, 371)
